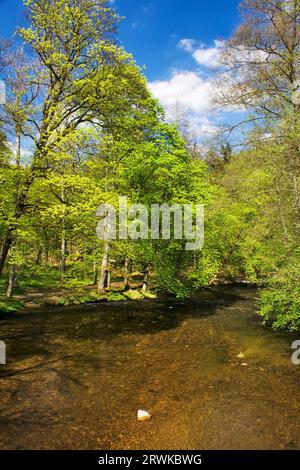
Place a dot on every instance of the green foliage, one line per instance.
(101, 135)
(115, 297)
(77, 298)
(39, 277)
(279, 304)
(9, 306)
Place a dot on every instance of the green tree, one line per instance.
(80, 69)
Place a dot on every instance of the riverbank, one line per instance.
(37, 297)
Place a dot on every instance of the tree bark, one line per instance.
(108, 281)
(95, 276)
(6, 245)
(63, 249)
(146, 279)
(11, 281)
(126, 275)
(46, 255)
(63, 252)
(38, 255)
(19, 210)
(103, 281)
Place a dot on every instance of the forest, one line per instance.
(79, 127)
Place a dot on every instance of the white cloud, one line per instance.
(209, 57)
(203, 55)
(195, 90)
(187, 87)
(187, 45)
(203, 125)
(194, 93)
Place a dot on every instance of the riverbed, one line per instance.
(208, 372)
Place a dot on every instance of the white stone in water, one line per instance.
(241, 356)
(143, 415)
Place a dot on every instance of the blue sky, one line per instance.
(152, 30)
(176, 41)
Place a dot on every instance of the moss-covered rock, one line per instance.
(149, 295)
(133, 295)
(115, 297)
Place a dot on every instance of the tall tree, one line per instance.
(80, 65)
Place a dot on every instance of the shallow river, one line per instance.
(75, 377)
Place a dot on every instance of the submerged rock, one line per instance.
(143, 415)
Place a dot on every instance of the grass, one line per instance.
(35, 278)
(41, 278)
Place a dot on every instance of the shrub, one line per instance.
(279, 304)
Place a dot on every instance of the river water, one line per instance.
(76, 376)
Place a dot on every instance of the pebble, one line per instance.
(143, 415)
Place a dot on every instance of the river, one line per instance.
(76, 376)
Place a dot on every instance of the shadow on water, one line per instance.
(29, 334)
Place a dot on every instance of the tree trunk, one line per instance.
(18, 145)
(38, 255)
(63, 252)
(103, 281)
(20, 206)
(11, 281)
(46, 256)
(126, 275)
(146, 279)
(108, 279)
(6, 245)
(95, 276)
(63, 249)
